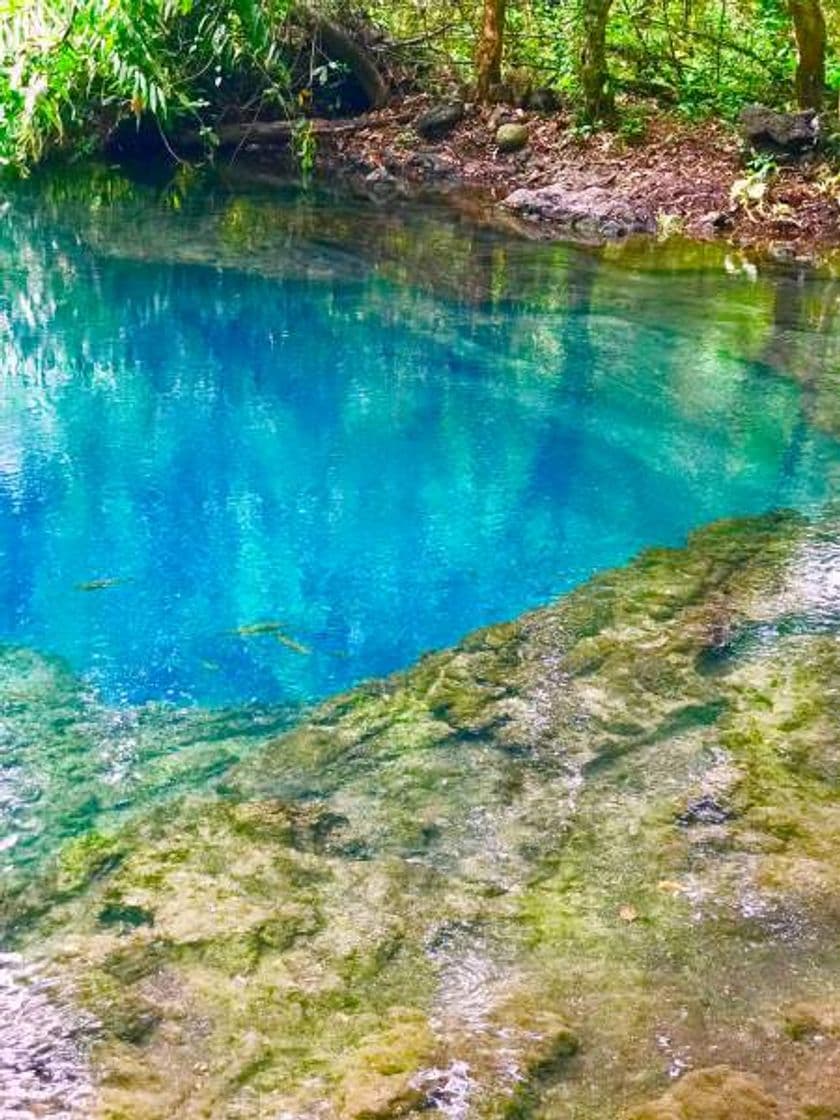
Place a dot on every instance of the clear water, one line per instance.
(257, 446)
(221, 485)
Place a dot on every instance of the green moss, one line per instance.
(713, 1094)
(85, 858)
(540, 854)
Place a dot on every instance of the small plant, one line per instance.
(668, 225)
(304, 147)
(750, 191)
(584, 129)
(632, 126)
(763, 164)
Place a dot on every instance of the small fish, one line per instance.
(253, 629)
(210, 666)
(99, 584)
(290, 643)
(275, 629)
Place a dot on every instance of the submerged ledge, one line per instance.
(583, 860)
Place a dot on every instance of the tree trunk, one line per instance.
(597, 99)
(338, 45)
(490, 47)
(809, 28)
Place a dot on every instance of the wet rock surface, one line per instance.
(597, 210)
(561, 870)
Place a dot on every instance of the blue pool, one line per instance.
(259, 446)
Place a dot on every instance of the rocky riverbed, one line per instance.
(582, 865)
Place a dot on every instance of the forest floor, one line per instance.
(685, 175)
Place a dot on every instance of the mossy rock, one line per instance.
(509, 873)
(713, 1094)
(511, 137)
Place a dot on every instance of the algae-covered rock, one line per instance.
(533, 876)
(511, 137)
(713, 1094)
(69, 762)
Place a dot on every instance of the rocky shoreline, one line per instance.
(674, 177)
(585, 860)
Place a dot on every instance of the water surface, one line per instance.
(259, 446)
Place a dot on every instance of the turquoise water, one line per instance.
(257, 447)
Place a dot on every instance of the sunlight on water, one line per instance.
(42, 1070)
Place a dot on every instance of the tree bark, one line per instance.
(809, 28)
(597, 98)
(490, 47)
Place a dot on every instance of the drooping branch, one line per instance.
(263, 134)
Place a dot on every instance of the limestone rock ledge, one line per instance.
(584, 860)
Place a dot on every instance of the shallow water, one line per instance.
(258, 445)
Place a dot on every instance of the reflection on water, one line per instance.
(258, 446)
(218, 485)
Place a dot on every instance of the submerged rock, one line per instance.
(536, 875)
(713, 1094)
(69, 762)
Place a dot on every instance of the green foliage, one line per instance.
(304, 146)
(633, 125)
(70, 69)
(699, 56)
(703, 56)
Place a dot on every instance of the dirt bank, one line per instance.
(677, 177)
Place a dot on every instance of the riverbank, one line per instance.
(670, 177)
